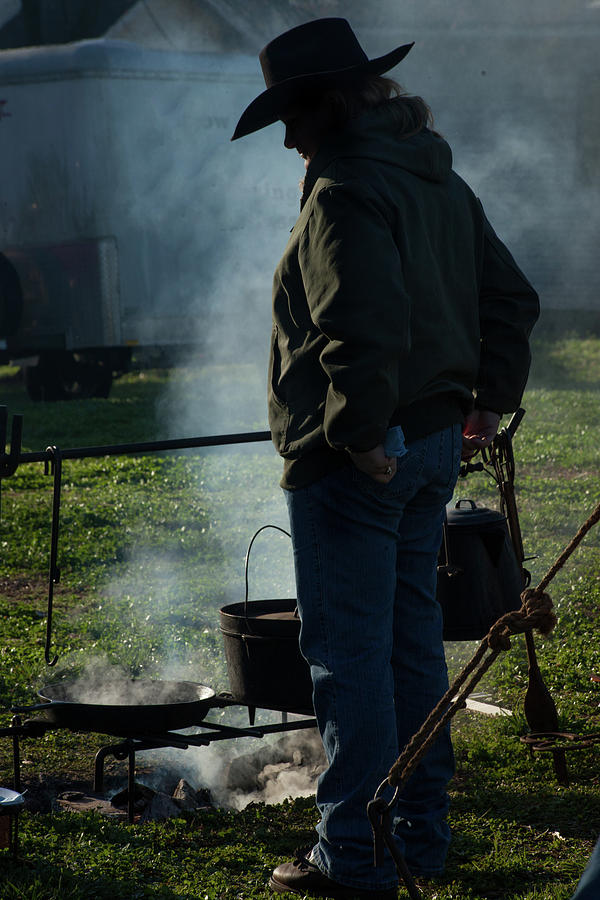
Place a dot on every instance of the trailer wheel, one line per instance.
(61, 375)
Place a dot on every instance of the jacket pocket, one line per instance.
(279, 415)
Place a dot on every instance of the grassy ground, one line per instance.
(152, 546)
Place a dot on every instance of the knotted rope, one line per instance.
(536, 612)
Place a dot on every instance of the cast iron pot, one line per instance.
(261, 642)
(124, 707)
(479, 578)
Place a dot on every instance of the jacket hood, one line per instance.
(375, 136)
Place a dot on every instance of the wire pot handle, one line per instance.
(255, 535)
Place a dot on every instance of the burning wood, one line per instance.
(149, 805)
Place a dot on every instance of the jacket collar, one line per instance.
(374, 135)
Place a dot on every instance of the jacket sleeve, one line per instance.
(508, 310)
(352, 276)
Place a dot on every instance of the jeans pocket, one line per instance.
(408, 469)
(450, 454)
(369, 486)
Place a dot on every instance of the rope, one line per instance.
(573, 543)
(536, 612)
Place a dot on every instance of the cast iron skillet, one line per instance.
(124, 707)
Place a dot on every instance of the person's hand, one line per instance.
(480, 429)
(375, 463)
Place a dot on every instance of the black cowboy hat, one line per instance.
(307, 57)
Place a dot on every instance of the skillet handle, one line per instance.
(35, 708)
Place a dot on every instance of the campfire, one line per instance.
(149, 805)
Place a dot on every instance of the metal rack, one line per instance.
(127, 747)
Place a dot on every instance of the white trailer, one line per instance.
(127, 214)
(128, 218)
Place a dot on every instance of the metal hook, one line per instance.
(380, 817)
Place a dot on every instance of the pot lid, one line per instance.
(466, 512)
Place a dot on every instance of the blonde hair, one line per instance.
(349, 99)
(412, 114)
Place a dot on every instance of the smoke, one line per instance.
(249, 770)
(496, 77)
(202, 223)
(215, 215)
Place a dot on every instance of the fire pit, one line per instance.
(169, 706)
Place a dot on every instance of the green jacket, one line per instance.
(394, 302)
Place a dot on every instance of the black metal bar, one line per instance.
(119, 751)
(172, 739)
(9, 462)
(214, 440)
(168, 739)
(539, 707)
(131, 783)
(16, 437)
(99, 769)
(54, 571)
(515, 421)
(403, 871)
(16, 721)
(30, 728)
(14, 834)
(53, 456)
(285, 726)
(3, 425)
(137, 744)
(226, 732)
(233, 730)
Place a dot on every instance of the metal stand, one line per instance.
(9, 831)
(127, 747)
(9, 819)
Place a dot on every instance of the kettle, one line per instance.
(479, 577)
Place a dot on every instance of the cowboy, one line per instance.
(400, 336)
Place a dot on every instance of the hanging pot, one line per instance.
(479, 578)
(261, 642)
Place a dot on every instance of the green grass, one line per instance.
(152, 546)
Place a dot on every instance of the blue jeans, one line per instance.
(365, 558)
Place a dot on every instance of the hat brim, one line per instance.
(269, 106)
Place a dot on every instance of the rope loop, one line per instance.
(536, 612)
